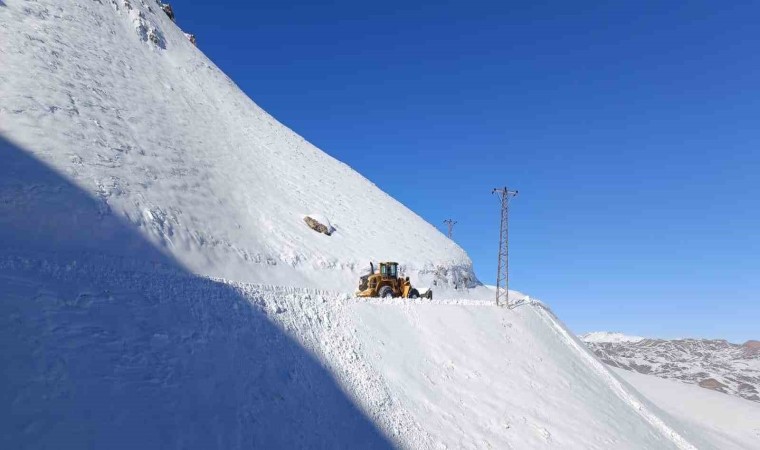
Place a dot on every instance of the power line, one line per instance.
(450, 223)
(502, 274)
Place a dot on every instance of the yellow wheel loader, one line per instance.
(387, 283)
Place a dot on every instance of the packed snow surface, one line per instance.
(159, 289)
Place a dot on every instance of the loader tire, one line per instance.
(414, 293)
(385, 292)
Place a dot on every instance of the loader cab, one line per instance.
(389, 269)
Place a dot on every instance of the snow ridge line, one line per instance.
(277, 289)
(614, 383)
(64, 264)
(422, 301)
(344, 296)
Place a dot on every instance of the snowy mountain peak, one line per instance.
(606, 336)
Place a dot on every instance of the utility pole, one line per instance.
(502, 275)
(450, 223)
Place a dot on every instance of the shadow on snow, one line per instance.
(107, 342)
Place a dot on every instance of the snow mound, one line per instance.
(606, 336)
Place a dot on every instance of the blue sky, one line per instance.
(631, 129)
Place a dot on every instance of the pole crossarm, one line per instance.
(450, 223)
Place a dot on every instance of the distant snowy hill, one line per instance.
(604, 336)
(134, 115)
(711, 363)
(161, 289)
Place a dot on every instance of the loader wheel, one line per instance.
(386, 292)
(414, 293)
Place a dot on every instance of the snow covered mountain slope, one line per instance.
(710, 363)
(480, 376)
(97, 354)
(100, 354)
(132, 171)
(111, 94)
